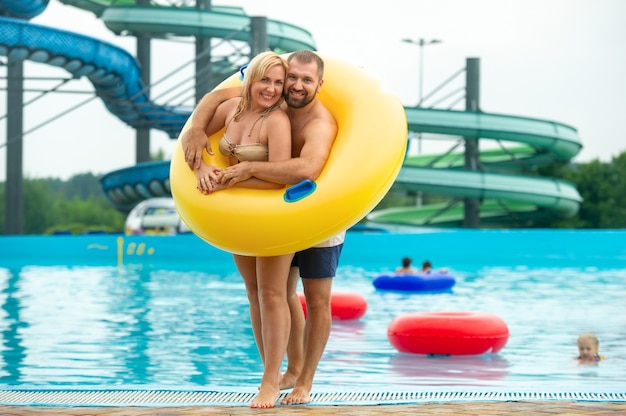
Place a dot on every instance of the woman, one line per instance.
(257, 129)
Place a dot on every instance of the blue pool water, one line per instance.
(171, 311)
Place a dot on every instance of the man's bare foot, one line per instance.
(288, 380)
(299, 395)
(266, 398)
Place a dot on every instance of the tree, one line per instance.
(77, 205)
(602, 187)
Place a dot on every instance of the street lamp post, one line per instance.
(421, 42)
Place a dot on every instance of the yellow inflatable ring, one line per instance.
(364, 162)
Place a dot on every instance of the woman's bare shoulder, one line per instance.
(278, 116)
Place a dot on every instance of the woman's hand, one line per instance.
(207, 177)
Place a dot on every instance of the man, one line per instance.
(406, 267)
(313, 131)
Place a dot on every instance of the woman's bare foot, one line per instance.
(266, 398)
(288, 380)
(299, 395)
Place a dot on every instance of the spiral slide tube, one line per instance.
(503, 194)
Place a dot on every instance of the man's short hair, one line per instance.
(306, 57)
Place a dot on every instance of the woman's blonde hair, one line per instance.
(255, 71)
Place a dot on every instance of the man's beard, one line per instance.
(298, 102)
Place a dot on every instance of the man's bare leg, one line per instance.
(296, 334)
(316, 332)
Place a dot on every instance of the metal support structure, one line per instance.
(203, 57)
(471, 218)
(14, 186)
(144, 57)
(258, 35)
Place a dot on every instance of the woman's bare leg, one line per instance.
(272, 276)
(247, 268)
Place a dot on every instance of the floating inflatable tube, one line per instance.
(430, 282)
(364, 162)
(448, 333)
(344, 306)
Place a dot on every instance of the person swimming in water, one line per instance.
(427, 267)
(588, 346)
(406, 267)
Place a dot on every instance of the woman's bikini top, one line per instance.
(253, 152)
(244, 152)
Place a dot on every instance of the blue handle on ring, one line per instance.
(300, 190)
(241, 71)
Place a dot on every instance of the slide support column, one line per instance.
(258, 35)
(203, 58)
(14, 186)
(471, 217)
(143, 56)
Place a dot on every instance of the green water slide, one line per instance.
(502, 184)
(127, 17)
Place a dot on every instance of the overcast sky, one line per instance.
(561, 60)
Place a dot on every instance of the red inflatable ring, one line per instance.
(449, 333)
(343, 306)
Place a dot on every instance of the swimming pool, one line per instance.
(129, 312)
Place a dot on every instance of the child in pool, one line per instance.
(588, 346)
(427, 267)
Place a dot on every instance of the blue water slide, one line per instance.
(22, 9)
(115, 73)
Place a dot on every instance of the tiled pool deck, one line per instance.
(127, 402)
(453, 408)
